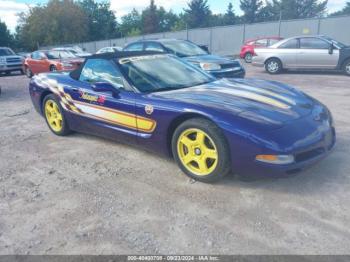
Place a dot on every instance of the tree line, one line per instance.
(69, 21)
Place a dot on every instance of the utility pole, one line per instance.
(279, 24)
(186, 31)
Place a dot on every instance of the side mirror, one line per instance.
(330, 49)
(103, 87)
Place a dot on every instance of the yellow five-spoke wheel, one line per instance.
(200, 150)
(54, 116)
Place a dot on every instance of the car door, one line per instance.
(108, 113)
(314, 53)
(287, 53)
(35, 63)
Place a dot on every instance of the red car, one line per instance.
(247, 50)
(50, 61)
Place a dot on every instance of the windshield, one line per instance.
(6, 52)
(59, 55)
(162, 72)
(339, 44)
(184, 48)
(77, 49)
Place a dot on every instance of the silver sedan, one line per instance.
(304, 52)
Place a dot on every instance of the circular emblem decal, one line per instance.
(149, 109)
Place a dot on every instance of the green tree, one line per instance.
(198, 14)
(180, 24)
(344, 11)
(134, 32)
(6, 38)
(217, 20)
(131, 22)
(150, 19)
(230, 17)
(251, 9)
(58, 22)
(167, 20)
(102, 22)
(268, 13)
(295, 9)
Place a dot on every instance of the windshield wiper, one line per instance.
(169, 88)
(181, 87)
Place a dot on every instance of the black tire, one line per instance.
(28, 72)
(273, 66)
(53, 68)
(65, 128)
(248, 57)
(346, 67)
(223, 165)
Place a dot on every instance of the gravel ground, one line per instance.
(85, 195)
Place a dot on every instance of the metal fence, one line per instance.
(227, 40)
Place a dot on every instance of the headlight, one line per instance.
(275, 159)
(2, 60)
(210, 66)
(67, 65)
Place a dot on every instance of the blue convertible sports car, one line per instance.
(211, 127)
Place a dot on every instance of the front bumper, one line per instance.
(10, 67)
(238, 72)
(304, 159)
(309, 140)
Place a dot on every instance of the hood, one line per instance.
(209, 59)
(256, 100)
(12, 57)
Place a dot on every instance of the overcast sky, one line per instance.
(9, 8)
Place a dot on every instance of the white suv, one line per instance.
(9, 61)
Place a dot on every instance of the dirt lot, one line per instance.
(85, 195)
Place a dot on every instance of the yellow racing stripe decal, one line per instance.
(97, 112)
(117, 117)
(256, 97)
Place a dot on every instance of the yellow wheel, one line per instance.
(201, 151)
(53, 113)
(197, 151)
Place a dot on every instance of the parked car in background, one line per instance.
(217, 66)
(9, 61)
(247, 50)
(50, 60)
(304, 52)
(76, 50)
(109, 49)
